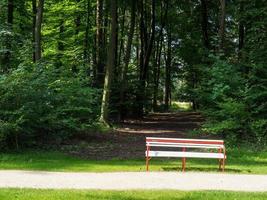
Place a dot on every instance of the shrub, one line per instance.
(40, 104)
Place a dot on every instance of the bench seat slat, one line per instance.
(184, 154)
(185, 139)
(178, 141)
(184, 145)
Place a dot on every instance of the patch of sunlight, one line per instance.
(178, 105)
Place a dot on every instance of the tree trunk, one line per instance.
(222, 25)
(110, 62)
(7, 55)
(127, 58)
(241, 28)
(168, 72)
(145, 53)
(60, 45)
(99, 44)
(34, 11)
(157, 63)
(121, 45)
(77, 22)
(38, 28)
(86, 35)
(204, 23)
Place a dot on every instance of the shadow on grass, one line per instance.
(201, 169)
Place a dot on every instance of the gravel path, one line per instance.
(133, 180)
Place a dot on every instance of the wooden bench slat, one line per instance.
(184, 141)
(155, 138)
(185, 145)
(185, 154)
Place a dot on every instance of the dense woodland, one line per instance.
(72, 66)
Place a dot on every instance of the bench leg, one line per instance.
(220, 160)
(147, 164)
(147, 158)
(223, 164)
(183, 162)
(220, 164)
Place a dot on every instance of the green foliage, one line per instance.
(38, 104)
(234, 108)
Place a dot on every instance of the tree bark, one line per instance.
(157, 63)
(222, 25)
(6, 59)
(121, 45)
(145, 53)
(86, 35)
(110, 63)
(60, 45)
(204, 23)
(168, 72)
(100, 64)
(241, 28)
(34, 11)
(127, 58)
(38, 28)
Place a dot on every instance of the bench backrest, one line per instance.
(181, 142)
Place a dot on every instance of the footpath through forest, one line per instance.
(128, 140)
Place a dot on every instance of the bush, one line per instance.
(39, 104)
(234, 104)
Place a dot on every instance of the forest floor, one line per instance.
(127, 141)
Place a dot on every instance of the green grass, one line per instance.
(30, 194)
(238, 161)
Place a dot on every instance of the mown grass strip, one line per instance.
(238, 161)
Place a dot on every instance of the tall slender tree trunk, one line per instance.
(241, 28)
(110, 62)
(157, 63)
(86, 35)
(222, 25)
(145, 54)
(6, 59)
(34, 11)
(77, 22)
(60, 44)
(204, 23)
(121, 45)
(100, 62)
(38, 28)
(127, 58)
(168, 72)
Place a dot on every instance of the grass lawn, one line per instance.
(26, 194)
(238, 161)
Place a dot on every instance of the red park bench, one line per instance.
(183, 145)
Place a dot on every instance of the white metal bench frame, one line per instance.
(185, 144)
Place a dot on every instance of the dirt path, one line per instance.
(133, 180)
(128, 141)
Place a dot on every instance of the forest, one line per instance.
(77, 66)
